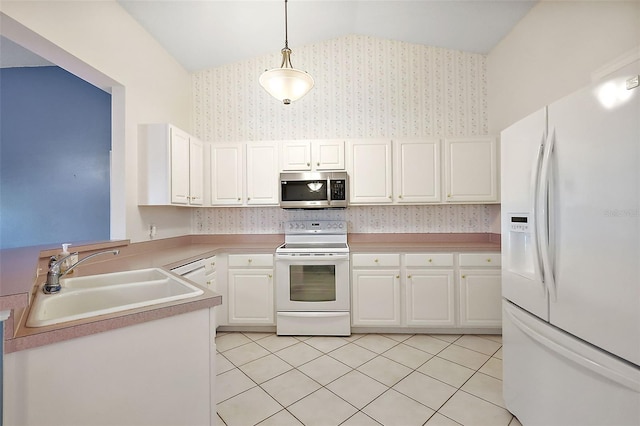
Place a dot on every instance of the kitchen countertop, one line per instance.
(21, 274)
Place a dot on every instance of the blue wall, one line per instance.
(55, 138)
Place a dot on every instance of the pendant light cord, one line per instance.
(286, 31)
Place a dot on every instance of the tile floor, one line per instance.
(364, 379)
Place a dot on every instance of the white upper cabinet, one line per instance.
(262, 173)
(227, 174)
(369, 167)
(171, 166)
(471, 169)
(312, 155)
(416, 171)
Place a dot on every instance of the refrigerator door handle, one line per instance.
(539, 268)
(571, 356)
(542, 216)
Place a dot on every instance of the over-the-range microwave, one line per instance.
(313, 190)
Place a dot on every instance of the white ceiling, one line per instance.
(204, 34)
(210, 33)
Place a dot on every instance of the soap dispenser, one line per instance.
(64, 266)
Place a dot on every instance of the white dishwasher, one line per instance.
(203, 273)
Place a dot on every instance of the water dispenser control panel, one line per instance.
(519, 223)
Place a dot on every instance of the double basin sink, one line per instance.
(93, 295)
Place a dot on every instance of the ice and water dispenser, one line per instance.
(521, 250)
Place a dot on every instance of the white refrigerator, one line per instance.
(571, 257)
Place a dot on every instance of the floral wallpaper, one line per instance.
(365, 87)
(361, 219)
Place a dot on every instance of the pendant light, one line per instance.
(286, 83)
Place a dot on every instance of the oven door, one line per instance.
(312, 282)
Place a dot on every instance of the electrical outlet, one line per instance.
(152, 231)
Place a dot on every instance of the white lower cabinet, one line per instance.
(480, 279)
(250, 289)
(429, 289)
(375, 288)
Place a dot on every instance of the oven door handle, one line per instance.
(292, 256)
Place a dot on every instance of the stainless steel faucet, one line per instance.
(53, 275)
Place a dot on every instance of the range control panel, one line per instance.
(316, 227)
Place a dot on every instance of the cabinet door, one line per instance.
(226, 174)
(179, 166)
(430, 297)
(376, 297)
(196, 172)
(296, 156)
(327, 154)
(471, 172)
(262, 173)
(251, 296)
(480, 297)
(370, 171)
(416, 171)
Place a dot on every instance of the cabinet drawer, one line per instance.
(480, 259)
(426, 260)
(372, 260)
(250, 260)
(210, 265)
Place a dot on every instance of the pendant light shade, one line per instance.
(286, 83)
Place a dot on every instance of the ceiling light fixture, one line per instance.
(286, 83)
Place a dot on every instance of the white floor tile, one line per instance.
(439, 420)
(498, 354)
(230, 341)
(494, 337)
(385, 370)
(515, 422)
(470, 410)
(352, 355)
(223, 364)
(376, 343)
(447, 337)
(325, 369)
(265, 368)
(281, 418)
(493, 368)
(356, 388)
(245, 353)
(298, 354)
(274, 343)
(393, 408)
(463, 356)
(446, 371)
(486, 387)
(427, 343)
(322, 408)
(234, 410)
(257, 336)
(398, 337)
(426, 390)
(407, 355)
(478, 344)
(326, 343)
(360, 419)
(290, 387)
(231, 383)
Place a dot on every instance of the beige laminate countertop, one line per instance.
(19, 279)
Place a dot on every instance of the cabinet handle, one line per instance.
(308, 164)
(430, 260)
(391, 197)
(249, 260)
(398, 276)
(409, 276)
(400, 196)
(448, 195)
(208, 282)
(238, 198)
(248, 198)
(376, 260)
(318, 164)
(464, 276)
(489, 260)
(270, 276)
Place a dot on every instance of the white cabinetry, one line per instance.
(369, 167)
(244, 174)
(480, 289)
(416, 171)
(430, 289)
(312, 155)
(262, 173)
(227, 174)
(171, 166)
(375, 289)
(250, 289)
(471, 169)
